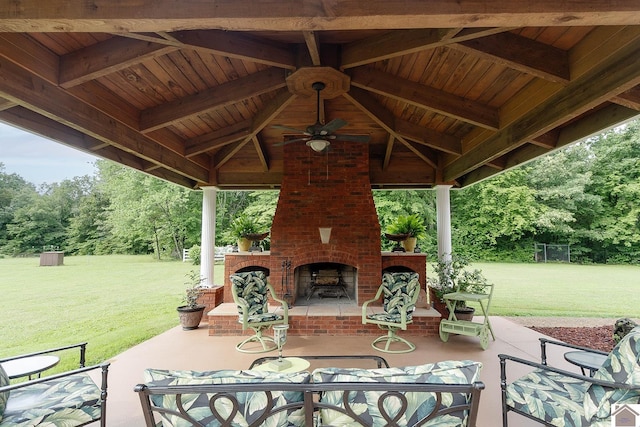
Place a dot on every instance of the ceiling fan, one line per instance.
(318, 135)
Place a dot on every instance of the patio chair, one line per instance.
(555, 397)
(401, 292)
(70, 398)
(251, 292)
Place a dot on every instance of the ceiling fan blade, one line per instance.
(332, 126)
(304, 132)
(290, 141)
(353, 138)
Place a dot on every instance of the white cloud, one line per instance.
(39, 160)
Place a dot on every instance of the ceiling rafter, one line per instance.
(521, 53)
(107, 57)
(422, 96)
(616, 74)
(211, 99)
(53, 102)
(236, 45)
(383, 117)
(403, 42)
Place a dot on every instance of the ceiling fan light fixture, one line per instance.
(318, 145)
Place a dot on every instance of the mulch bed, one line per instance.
(599, 337)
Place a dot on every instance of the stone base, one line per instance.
(324, 320)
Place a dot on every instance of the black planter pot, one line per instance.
(190, 317)
(465, 313)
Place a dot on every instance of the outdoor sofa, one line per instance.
(556, 397)
(438, 394)
(69, 399)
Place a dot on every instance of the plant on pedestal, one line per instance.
(191, 312)
(453, 274)
(245, 229)
(411, 225)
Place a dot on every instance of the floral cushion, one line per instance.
(549, 396)
(399, 290)
(69, 401)
(251, 288)
(250, 404)
(419, 404)
(621, 366)
(4, 396)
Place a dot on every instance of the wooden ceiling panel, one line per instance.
(470, 83)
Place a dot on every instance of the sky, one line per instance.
(39, 160)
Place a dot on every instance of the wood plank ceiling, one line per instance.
(447, 92)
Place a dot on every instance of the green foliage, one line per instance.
(244, 225)
(193, 290)
(194, 254)
(412, 225)
(453, 274)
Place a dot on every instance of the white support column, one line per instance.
(443, 209)
(208, 235)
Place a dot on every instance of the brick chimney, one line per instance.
(329, 190)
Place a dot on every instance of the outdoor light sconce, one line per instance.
(325, 234)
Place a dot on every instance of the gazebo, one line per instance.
(323, 100)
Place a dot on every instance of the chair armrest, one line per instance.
(545, 341)
(104, 367)
(610, 384)
(82, 346)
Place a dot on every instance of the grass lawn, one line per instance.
(114, 302)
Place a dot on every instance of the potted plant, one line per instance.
(451, 275)
(191, 312)
(245, 229)
(411, 225)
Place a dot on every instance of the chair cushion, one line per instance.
(621, 366)
(419, 404)
(67, 401)
(4, 396)
(250, 404)
(251, 287)
(399, 290)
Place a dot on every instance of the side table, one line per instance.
(585, 360)
(29, 366)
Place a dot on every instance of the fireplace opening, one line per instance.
(325, 283)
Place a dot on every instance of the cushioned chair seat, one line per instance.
(67, 401)
(551, 397)
(419, 405)
(250, 405)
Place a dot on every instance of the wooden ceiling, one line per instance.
(448, 91)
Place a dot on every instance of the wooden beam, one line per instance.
(294, 15)
(367, 104)
(312, 40)
(237, 45)
(630, 98)
(5, 104)
(262, 155)
(26, 52)
(617, 74)
(387, 152)
(211, 99)
(217, 139)
(429, 137)
(53, 102)
(404, 42)
(260, 120)
(105, 58)
(425, 97)
(522, 54)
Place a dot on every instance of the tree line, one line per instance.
(585, 195)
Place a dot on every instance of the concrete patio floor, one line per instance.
(196, 350)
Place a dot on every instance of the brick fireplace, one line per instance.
(325, 190)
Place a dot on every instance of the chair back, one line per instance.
(621, 366)
(400, 293)
(251, 288)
